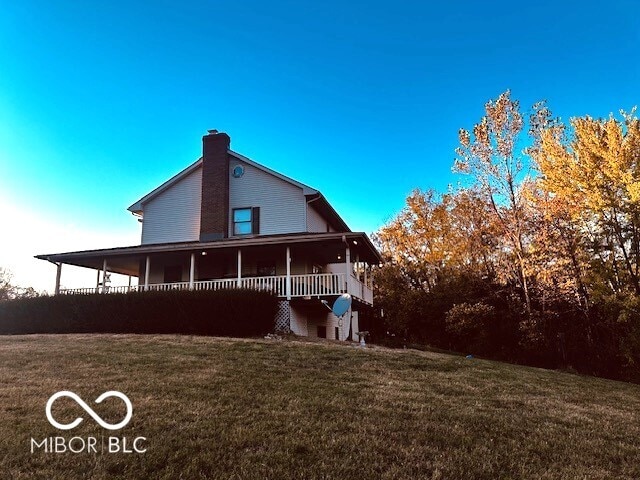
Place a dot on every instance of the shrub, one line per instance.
(236, 312)
(468, 324)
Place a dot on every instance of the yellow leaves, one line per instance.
(560, 233)
(633, 191)
(598, 168)
(433, 233)
(464, 138)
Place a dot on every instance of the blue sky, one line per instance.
(101, 103)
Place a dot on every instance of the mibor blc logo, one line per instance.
(95, 445)
(89, 410)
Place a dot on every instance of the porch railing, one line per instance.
(306, 285)
(317, 284)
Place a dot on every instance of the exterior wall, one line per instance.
(250, 263)
(316, 223)
(174, 215)
(282, 205)
(156, 272)
(331, 322)
(355, 326)
(220, 266)
(335, 267)
(311, 318)
(298, 323)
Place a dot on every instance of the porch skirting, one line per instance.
(283, 318)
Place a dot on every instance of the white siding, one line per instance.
(331, 322)
(174, 215)
(282, 205)
(305, 322)
(298, 322)
(316, 223)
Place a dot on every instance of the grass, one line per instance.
(231, 409)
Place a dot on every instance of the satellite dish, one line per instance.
(341, 305)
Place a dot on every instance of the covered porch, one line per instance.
(292, 266)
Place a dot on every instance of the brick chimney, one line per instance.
(214, 213)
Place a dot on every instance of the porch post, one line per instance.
(365, 273)
(129, 289)
(98, 282)
(239, 281)
(192, 271)
(104, 276)
(347, 263)
(288, 287)
(147, 267)
(58, 274)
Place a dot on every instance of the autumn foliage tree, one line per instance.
(489, 154)
(593, 168)
(537, 258)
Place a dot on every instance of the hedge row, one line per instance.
(237, 312)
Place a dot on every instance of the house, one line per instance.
(227, 221)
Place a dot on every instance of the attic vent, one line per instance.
(238, 171)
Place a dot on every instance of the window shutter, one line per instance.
(255, 220)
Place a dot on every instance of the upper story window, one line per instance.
(246, 221)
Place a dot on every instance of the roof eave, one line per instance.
(233, 242)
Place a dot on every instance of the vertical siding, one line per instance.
(174, 215)
(282, 205)
(316, 222)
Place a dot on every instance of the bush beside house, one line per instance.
(236, 312)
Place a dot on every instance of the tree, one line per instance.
(541, 268)
(489, 156)
(594, 169)
(7, 290)
(557, 250)
(435, 234)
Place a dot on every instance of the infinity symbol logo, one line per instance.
(89, 410)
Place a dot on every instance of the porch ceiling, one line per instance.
(126, 260)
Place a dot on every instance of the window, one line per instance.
(337, 333)
(242, 221)
(246, 221)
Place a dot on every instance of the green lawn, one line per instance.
(218, 408)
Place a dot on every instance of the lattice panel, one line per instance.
(283, 318)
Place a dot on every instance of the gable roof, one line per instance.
(137, 206)
(320, 202)
(306, 190)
